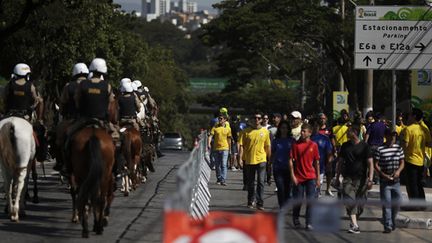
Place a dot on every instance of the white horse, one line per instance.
(17, 150)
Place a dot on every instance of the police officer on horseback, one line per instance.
(20, 96)
(129, 104)
(92, 99)
(68, 108)
(67, 100)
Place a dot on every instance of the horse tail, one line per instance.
(8, 145)
(89, 190)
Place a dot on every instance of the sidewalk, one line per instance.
(233, 198)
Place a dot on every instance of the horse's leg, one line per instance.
(83, 215)
(35, 184)
(7, 186)
(99, 214)
(73, 192)
(15, 209)
(110, 197)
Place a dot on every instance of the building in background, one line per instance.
(192, 7)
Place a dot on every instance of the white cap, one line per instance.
(21, 69)
(296, 114)
(98, 65)
(137, 83)
(146, 89)
(80, 68)
(127, 87)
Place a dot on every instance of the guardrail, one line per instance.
(193, 194)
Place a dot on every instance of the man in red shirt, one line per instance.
(305, 172)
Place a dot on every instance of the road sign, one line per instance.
(393, 38)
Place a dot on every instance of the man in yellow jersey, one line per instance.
(414, 138)
(399, 124)
(254, 143)
(221, 146)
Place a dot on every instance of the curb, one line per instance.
(404, 221)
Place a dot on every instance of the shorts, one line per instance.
(354, 193)
(234, 148)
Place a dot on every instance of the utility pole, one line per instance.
(303, 90)
(341, 80)
(368, 86)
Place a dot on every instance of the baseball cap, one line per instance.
(296, 114)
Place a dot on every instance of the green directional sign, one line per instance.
(205, 85)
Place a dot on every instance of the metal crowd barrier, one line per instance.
(193, 194)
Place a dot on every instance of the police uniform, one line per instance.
(20, 98)
(129, 105)
(68, 107)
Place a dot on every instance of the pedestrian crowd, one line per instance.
(352, 154)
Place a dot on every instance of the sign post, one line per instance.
(393, 38)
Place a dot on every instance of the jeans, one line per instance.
(414, 181)
(251, 170)
(221, 163)
(309, 188)
(282, 179)
(390, 193)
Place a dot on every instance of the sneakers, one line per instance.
(387, 230)
(234, 169)
(223, 183)
(260, 208)
(329, 193)
(250, 205)
(354, 229)
(297, 223)
(218, 182)
(309, 227)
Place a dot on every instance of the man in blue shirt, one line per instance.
(325, 150)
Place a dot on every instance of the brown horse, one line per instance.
(91, 163)
(131, 149)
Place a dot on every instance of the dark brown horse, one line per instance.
(91, 163)
(132, 150)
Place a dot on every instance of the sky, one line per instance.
(129, 5)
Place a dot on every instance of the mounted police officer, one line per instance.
(92, 99)
(20, 96)
(67, 100)
(129, 105)
(68, 108)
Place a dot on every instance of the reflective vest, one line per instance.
(127, 106)
(19, 97)
(94, 99)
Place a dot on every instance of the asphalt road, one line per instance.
(137, 218)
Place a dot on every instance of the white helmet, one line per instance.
(137, 83)
(80, 68)
(21, 69)
(126, 87)
(146, 89)
(135, 88)
(125, 80)
(98, 65)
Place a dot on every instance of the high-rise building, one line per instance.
(183, 7)
(192, 7)
(165, 7)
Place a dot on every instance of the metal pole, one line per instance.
(368, 92)
(394, 100)
(303, 91)
(341, 80)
